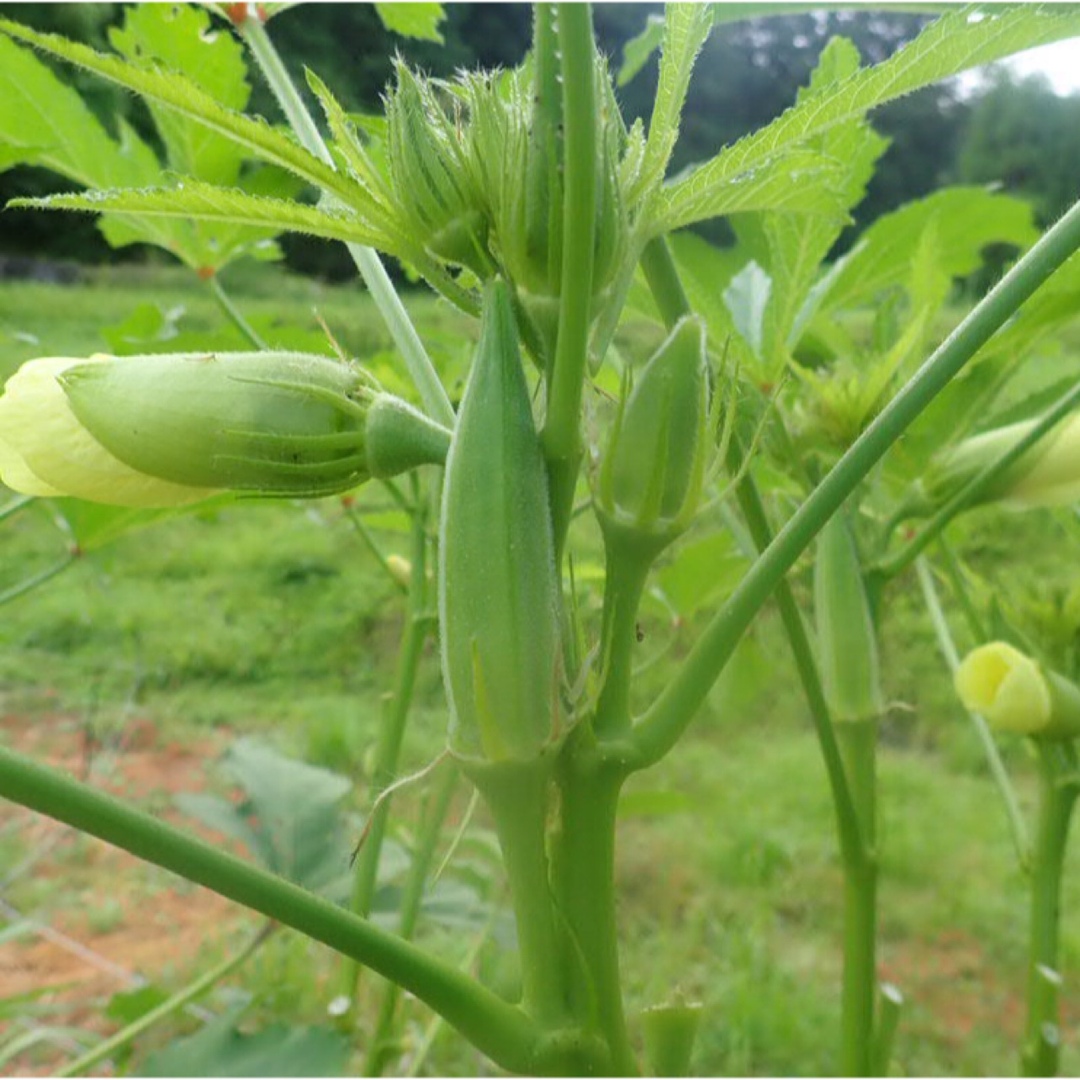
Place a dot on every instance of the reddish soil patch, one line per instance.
(130, 920)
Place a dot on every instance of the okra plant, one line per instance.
(524, 199)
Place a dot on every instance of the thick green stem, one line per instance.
(624, 582)
(562, 423)
(173, 1004)
(408, 343)
(857, 742)
(584, 882)
(501, 1031)
(234, 315)
(673, 710)
(664, 283)
(380, 1047)
(1057, 796)
(518, 796)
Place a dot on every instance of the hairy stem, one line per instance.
(391, 733)
(234, 315)
(379, 1046)
(562, 424)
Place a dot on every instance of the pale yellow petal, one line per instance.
(45, 450)
(1006, 686)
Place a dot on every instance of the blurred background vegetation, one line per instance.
(1004, 130)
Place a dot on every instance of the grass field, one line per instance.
(271, 619)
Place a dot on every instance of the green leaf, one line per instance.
(219, 1049)
(414, 20)
(966, 219)
(702, 572)
(178, 37)
(180, 93)
(290, 819)
(347, 143)
(194, 200)
(791, 247)
(962, 39)
(636, 51)
(45, 122)
(747, 298)
(686, 26)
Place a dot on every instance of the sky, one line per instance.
(1060, 63)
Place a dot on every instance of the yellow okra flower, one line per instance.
(1017, 694)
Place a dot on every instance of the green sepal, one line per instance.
(272, 423)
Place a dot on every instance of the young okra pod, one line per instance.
(498, 589)
(654, 469)
(847, 641)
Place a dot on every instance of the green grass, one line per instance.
(271, 618)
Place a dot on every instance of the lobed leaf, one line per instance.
(180, 93)
(686, 26)
(966, 220)
(178, 37)
(962, 39)
(192, 199)
(414, 20)
(637, 50)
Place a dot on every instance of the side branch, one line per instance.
(500, 1030)
(671, 713)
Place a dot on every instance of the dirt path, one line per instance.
(99, 920)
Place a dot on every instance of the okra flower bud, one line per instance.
(1017, 694)
(438, 196)
(169, 429)
(654, 468)
(1048, 474)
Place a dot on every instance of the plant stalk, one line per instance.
(392, 733)
(379, 1046)
(561, 435)
(1058, 789)
(584, 882)
(858, 745)
(500, 1030)
(624, 583)
(235, 316)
